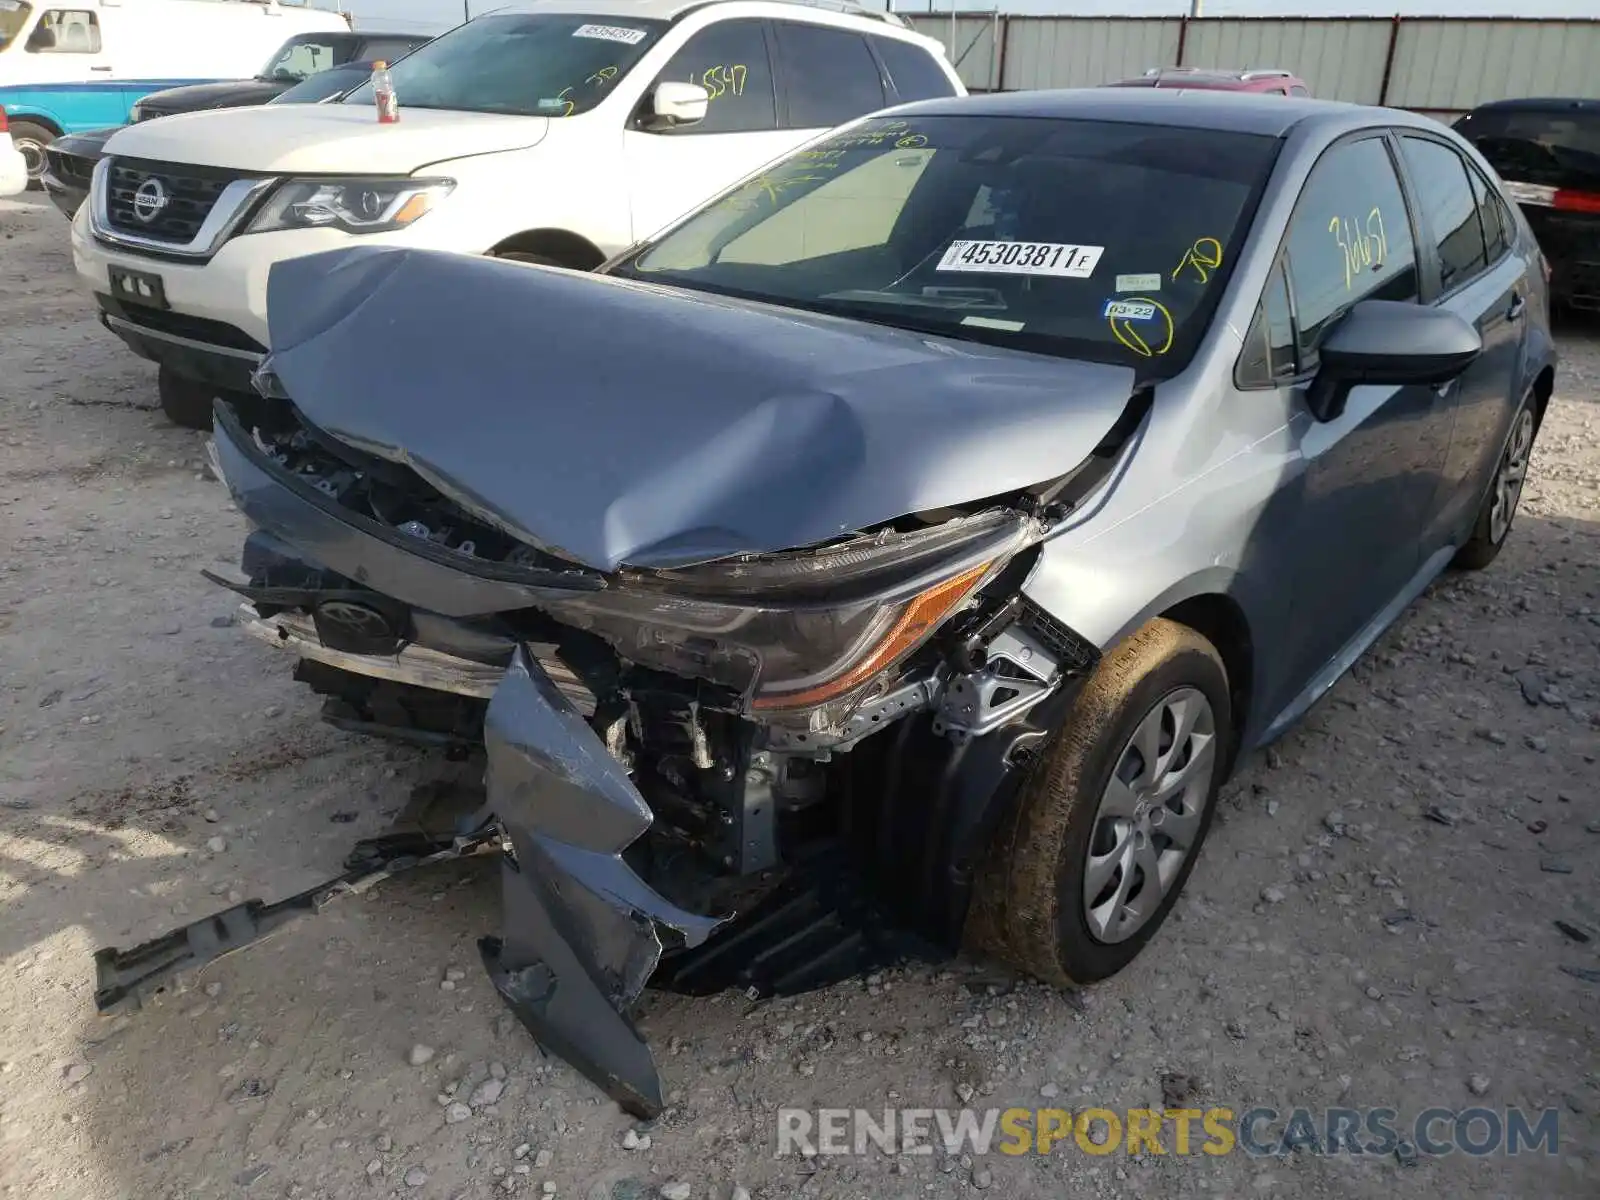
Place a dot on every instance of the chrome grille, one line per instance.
(190, 194)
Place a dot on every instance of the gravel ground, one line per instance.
(1397, 906)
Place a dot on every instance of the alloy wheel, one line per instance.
(1509, 478)
(1149, 818)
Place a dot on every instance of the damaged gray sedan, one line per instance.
(895, 554)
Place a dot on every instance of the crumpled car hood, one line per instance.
(615, 422)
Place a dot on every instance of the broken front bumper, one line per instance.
(579, 935)
(580, 938)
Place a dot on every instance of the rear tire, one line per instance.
(31, 138)
(1493, 526)
(1095, 816)
(186, 402)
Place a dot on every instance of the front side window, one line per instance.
(528, 64)
(13, 16)
(1448, 206)
(1086, 239)
(300, 57)
(912, 70)
(1349, 239)
(1269, 356)
(830, 76)
(728, 59)
(65, 31)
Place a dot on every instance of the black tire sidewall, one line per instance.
(186, 402)
(1085, 959)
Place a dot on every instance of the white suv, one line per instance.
(557, 132)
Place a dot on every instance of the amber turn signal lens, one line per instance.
(920, 617)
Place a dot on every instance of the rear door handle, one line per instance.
(103, 70)
(1518, 307)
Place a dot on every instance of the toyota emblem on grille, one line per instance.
(149, 200)
(358, 619)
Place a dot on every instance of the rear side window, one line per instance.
(1350, 238)
(1448, 207)
(1492, 215)
(913, 71)
(830, 76)
(728, 59)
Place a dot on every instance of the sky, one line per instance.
(431, 16)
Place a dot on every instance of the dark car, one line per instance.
(1271, 81)
(1548, 153)
(914, 537)
(299, 58)
(70, 160)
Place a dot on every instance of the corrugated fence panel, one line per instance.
(1461, 64)
(1339, 60)
(1065, 52)
(1440, 66)
(974, 53)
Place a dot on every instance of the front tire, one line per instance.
(30, 139)
(186, 402)
(1493, 526)
(1111, 821)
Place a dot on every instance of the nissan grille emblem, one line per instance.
(149, 200)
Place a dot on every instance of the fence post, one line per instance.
(1183, 38)
(1388, 61)
(1005, 37)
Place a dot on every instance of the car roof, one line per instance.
(1539, 104)
(668, 10)
(1202, 108)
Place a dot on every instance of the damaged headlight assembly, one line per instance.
(805, 636)
(354, 205)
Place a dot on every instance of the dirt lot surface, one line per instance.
(1397, 909)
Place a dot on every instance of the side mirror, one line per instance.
(1389, 342)
(674, 104)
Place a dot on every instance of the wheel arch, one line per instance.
(568, 248)
(1221, 620)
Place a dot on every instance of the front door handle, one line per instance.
(1518, 307)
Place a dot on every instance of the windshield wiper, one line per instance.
(959, 300)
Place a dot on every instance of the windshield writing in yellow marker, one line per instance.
(1201, 258)
(1364, 245)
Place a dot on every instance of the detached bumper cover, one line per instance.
(580, 935)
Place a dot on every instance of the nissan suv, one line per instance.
(558, 133)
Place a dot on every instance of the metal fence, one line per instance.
(1437, 65)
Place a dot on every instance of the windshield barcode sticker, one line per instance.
(1022, 258)
(610, 33)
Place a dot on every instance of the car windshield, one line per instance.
(13, 16)
(300, 57)
(1089, 239)
(324, 85)
(544, 64)
(1553, 149)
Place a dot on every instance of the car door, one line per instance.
(1463, 229)
(671, 171)
(1372, 474)
(70, 45)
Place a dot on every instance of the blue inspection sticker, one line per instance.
(1129, 310)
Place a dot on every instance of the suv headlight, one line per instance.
(351, 205)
